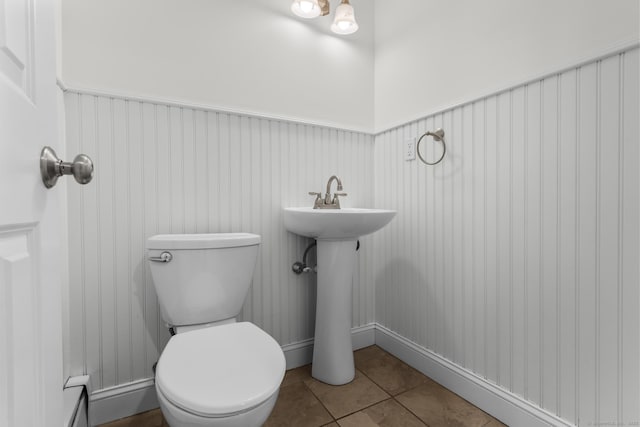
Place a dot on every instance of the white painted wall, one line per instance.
(565, 342)
(167, 169)
(516, 258)
(244, 56)
(430, 54)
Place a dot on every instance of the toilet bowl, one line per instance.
(226, 375)
(214, 371)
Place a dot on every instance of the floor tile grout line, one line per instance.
(320, 401)
(362, 409)
(402, 363)
(491, 417)
(413, 413)
(377, 403)
(350, 413)
(391, 396)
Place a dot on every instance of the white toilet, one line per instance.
(214, 371)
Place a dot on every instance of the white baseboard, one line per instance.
(122, 401)
(133, 398)
(301, 353)
(501, 404)
(298, 353)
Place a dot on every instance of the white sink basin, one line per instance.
(336, 231)
(335, 224)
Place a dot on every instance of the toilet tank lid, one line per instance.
(202, 241)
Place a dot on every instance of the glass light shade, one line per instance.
(345, 20)
(306, 8)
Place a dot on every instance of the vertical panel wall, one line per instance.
(517, 256)
(172, 169)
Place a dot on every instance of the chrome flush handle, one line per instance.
(164, 257)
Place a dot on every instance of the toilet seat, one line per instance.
(221, 370)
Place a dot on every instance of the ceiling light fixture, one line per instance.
(306, 8)
(344, 21)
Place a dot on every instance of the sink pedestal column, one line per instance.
(332, 349)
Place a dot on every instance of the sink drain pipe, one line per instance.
(302, 267)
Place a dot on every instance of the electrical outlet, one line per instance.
(410, 149)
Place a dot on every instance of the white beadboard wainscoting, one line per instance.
(510, 274)
(166, 168)
(517, 258)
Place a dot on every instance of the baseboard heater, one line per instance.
(76, 402)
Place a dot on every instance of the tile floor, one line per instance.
(386, 392)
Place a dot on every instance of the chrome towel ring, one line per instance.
(438, 135)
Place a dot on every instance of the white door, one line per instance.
(30, 313)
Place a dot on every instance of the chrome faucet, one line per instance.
(328, 202)
(327, 196)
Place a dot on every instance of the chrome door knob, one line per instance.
(82, 168)
(51, 167)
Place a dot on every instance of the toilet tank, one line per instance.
(207, 278)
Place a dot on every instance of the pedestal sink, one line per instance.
(337, 232)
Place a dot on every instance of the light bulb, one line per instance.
(345, 20)
(306, 8)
